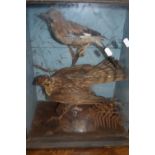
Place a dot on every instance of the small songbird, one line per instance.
(73, 35)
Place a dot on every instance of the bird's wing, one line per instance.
(76, 71)
(79, 30)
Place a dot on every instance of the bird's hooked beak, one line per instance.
(39, 80)
(43, 81)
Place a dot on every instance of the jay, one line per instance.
(73, 35)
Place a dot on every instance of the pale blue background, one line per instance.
(44, 51)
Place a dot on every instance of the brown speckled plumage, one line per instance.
(72, 85)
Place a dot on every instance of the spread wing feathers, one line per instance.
(102, 73)
(106, 72)
(75, 71)
(106, 116)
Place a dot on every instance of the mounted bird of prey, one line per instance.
(73, 35)
(71, 85)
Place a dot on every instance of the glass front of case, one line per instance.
(77, 75)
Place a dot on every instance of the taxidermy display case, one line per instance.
(77, 74)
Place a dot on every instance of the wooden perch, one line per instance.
(43, 69)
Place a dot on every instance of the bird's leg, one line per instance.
(71, 52)
(79, 52)
(82, 49)
(75, 59)
(74, 55)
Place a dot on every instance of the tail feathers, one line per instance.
(106, 72)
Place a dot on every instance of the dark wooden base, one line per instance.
(95, 151)
(50, 134)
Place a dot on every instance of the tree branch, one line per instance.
(44, 69)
